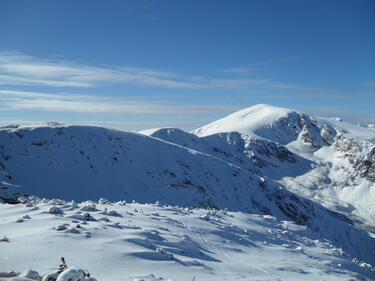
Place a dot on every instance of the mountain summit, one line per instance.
(246, 121)
(283, 125)
(323, 159)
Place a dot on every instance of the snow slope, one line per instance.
(257, 119)
(256, 155)
(81, 163)
(323, 159)
(276, 124)
(266, 161)
(132, 241)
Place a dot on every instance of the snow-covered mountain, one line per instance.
(316, 172)
(81, 163)
(326, 160)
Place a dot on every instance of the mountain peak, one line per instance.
(264, 106)
(262, 111)
(247, 121)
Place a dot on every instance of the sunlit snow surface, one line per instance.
(148, 241)
(324, 171)
(261, 160)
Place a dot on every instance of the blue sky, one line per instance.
(141, 64)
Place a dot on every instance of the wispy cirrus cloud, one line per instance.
(24, 100)
(17, 69)
(20, 69)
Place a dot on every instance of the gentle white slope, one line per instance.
(251, 120)
(148, 242)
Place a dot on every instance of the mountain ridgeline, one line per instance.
(318, 172)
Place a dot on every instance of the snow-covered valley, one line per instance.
(266, 193)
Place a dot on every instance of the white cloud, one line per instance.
(22, 100)
(26, 94)
(20, 69)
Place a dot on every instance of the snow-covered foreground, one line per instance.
(127, 241)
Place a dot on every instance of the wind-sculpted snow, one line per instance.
(132, 241)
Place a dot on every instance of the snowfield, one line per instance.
(132, 241)
(265, 193)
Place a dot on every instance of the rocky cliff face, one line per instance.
(371, 173)
(359, 153)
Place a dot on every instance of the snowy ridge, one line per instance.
(276, 124)
(330, 161)
(78, 162)
(284, 126)
(256, 155)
